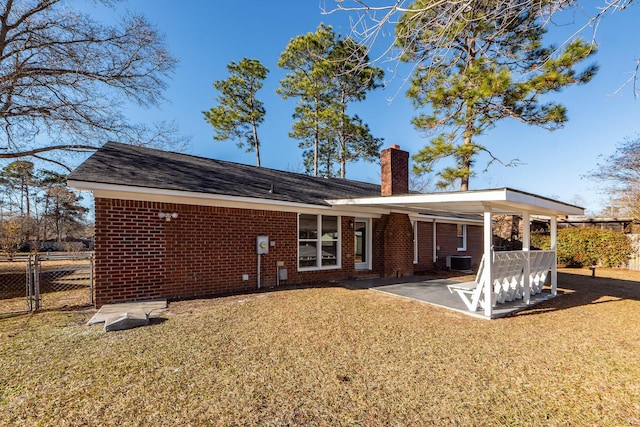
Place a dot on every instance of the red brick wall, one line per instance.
(392, 245)
(377, 241)
(425, 247)
(475, 244)
(448, 242)
(397, 252)
(205, 251)
(394, 164)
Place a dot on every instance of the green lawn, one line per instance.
(334, 356)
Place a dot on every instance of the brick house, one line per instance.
(177, 226)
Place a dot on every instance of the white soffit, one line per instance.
(501, 201)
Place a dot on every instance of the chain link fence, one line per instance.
(45, 282)
(15, 285)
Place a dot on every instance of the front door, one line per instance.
(362, 244)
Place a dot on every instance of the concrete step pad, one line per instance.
(126, 320)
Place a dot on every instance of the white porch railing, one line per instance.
(515, 275)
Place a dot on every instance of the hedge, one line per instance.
(581, 247)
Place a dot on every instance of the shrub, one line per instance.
(540, 240)
(580, 247)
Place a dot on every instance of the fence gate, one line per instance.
(15, 285)
(35, 282)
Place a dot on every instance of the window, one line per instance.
(318, 242)
(461, 233)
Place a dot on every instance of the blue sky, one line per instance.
(206, 35)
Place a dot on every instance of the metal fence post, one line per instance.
(29, 282)
(36, 282)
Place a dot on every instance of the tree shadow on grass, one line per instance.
(580, 289)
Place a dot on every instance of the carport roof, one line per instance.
(500, 201)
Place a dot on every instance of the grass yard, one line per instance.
(334, 356)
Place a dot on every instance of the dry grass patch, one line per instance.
(45, 265)
(334, 356)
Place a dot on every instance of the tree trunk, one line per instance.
(343, 142)
(316, 137)
(256, 142)
(466, 158)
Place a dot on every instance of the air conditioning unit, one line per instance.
(459, 262)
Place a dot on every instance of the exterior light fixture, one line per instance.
(351, 224)
(167, 216)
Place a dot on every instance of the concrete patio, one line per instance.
(435, 292)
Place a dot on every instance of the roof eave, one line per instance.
(128, 192)
(503, 200)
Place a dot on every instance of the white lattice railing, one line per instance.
(508, 270)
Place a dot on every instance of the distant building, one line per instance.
(625, 225)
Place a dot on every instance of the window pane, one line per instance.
(308, 254)
(329, 253)
(329, 227)
(308, 226)
(461, 232)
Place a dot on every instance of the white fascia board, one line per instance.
(548, 205)
(419, 199)
(486, 196)
(364, 211)
(125, 192)
(445, 219)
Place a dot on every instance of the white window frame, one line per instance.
(368, 245)
(462, 248)
(318, 240)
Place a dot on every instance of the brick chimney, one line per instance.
(395, 171)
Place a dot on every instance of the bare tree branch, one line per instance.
(35, 151)
(64, 78)
(373, 22)
(493, 159)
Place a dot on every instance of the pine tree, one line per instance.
(477, 63)
(327, 73)
(239, 113)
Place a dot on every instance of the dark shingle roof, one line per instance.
(122, 164)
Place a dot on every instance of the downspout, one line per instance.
(259, 271)
(554, 248)
(435, 243)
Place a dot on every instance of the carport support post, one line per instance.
(554, 248)
(488, 262)
(526, 247)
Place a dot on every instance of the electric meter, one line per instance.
(262, 245)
